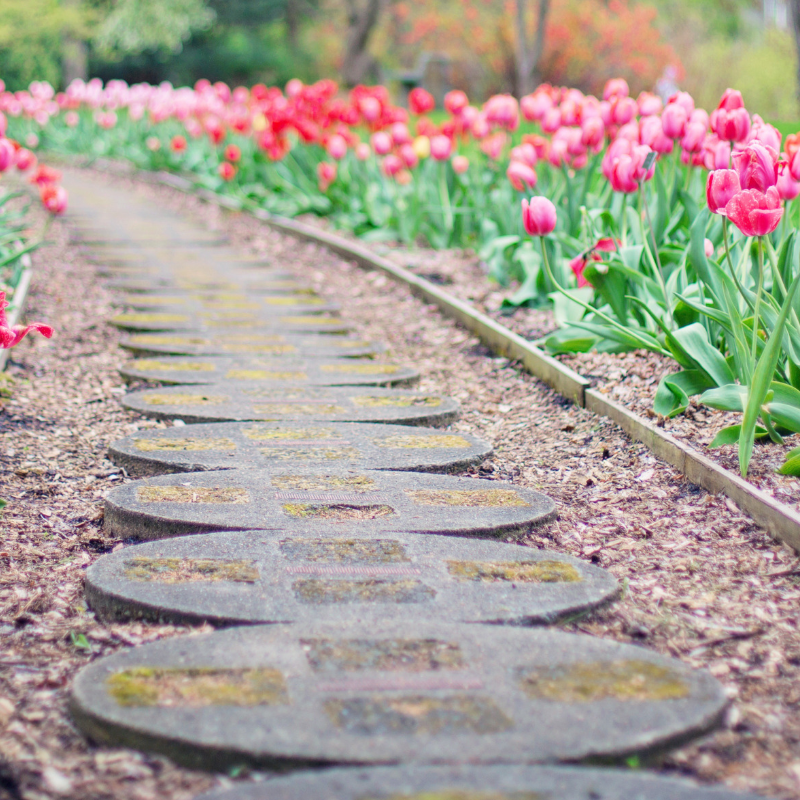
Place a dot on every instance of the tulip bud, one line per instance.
(721, 186)
(441, 147)
(539, 216)
(381, 143)
(337, 147)
(363, 151)
(422, 146)
(460, 164)
(708, 247)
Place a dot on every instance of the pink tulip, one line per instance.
(700, 115)
(551, 120)
(614, 88)
(623, 110)
(526, 153)
(337, 147)
(757, 166)
(400, 134)
(765, 133)
(25, 159)
(71, 119)
(7, 154)
(694, 137)
(460, 164)
(326, 174)
(755, 213)
(363, 151)
(381, 143)
(54, 198)
(539, 216)
(420, 101)
(227, 171)
(708, 247)
(521, 176)
(732, 126)
(408, 155)
(649, 104)
(673, 121)
(652, 134)
(685, 100)
(370, 108)
(455, 102)
(392, 164)
(480, 126)
(502, 110)
(535, 106)
(721, 186)
(731, 100)
(593, 132)
(441, 147)
(10, 336)
(788, 187)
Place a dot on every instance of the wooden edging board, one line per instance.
(782, 521)
(16, 309)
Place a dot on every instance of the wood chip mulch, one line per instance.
(702, 582)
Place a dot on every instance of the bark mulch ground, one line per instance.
(702, 581)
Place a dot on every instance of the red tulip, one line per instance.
(455, 102)
(755, 213)
(578, 264)
(757, 166)
(25, 159)
(227, 171)
(326, 173)
(10, 336)
(539, 216)
(521, 176)
(54, 198)
(44, 175)
(794, 165)
(232, 153)
(721, 186)
(178, 144)
(420, 101)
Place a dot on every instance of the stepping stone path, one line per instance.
(320, 501)
(498, 782)
(423, 692)
(248, 577)
(251, 400)
(227, 342)
(310, 372)
(256, 445)
(328, 526)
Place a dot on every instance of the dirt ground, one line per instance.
(702, 582)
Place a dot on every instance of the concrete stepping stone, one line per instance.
(288, 402)
(234, 369)
(165, 320)
(229, 341)
(320, 502)
(233, 302)
(284, 696)
(256, 577)
(279, 284)
(490, 782)
(258, 445)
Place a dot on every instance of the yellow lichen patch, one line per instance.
(179, 445)
(190, 570)
(264, 375)
(192, 494)
(312, 320)
(197, 688)
(483, 498)
(291, 300)
(589, 682)
(345, 551)
(318, 483)
(264, 349)
(148, 319)
(259, 434)
(151, 364)
(417, 714)
(362, 369)
(384, 655)
(183, 399)
(514, 571)
(335, 512)
(253, 338)
(225, 305)
(146, 338)
(298, 408)
(414, 442)
(399, 401)
(321, 591)
(150, 300)
(310, 453)
(348, 343)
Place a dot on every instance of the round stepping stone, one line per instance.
(320, 502)
(257, 445)
(283, 696)
(166, 320)
(231, 302)
(498, 782)
(256, 577)
(233, 370)
(228, 342)
(287, 402)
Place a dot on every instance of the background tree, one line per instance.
(359, 65)
(529, 53)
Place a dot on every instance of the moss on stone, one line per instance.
(184, 399)
(362, 369)
(514, 571)
(197, 688)
(189, 570)
(192, 494)
(146, 338)
(311, 453)
(148, 319)
(338, 512)
(264, 375)
(262, 349)
(385, 655)
(414, 442)
(311, 483)
(152, 365)
(589, 682)
(345, 551)
(482, 498)
(324, 591)
(399, 401)
(172, 445)
(309, 409)
(258, 434)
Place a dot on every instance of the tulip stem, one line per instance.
(624, 230)
(730, 263)
(654, 256)
(444, 198)
(757, 311)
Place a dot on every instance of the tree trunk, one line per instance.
(794, 17)
(292, 21)
(529, 54)
(359, 65)
(74, 55)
